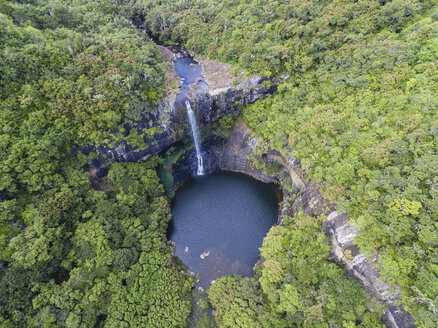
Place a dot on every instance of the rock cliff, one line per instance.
(168, 124)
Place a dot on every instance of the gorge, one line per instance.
(218, 164)
(213, 99)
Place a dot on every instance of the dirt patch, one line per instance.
(101, 184)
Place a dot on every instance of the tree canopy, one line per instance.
(73, 254)
(359, 110)
(357, 107)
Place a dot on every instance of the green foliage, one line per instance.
(303, 286)
(279, 36)
(358, 110)
(71, 79)
(363, 123)
(81, 259)
(238, 302)
(70, 72)
(405, 207)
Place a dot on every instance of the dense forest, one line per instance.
(358, 108)
(74, 254)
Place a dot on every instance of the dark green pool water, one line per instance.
(227, 215)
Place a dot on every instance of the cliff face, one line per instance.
(226, 154)
(169, 122)
(231, 154)
(342, 236)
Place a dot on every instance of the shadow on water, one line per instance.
(219, 222)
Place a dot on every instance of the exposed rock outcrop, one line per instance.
(346, 252)
(236, 151)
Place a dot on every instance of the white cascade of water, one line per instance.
(196, 139)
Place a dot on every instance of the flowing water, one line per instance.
(222, 218)
(190, 72)
(187, 69)
(196, 138)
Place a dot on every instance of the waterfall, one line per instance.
(196, 139)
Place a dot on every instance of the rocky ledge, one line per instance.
(346, 252)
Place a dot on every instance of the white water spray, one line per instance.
(196, 139)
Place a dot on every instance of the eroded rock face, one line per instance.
(226, 154)
(168, 124)
(346, 252)
(236, 151)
